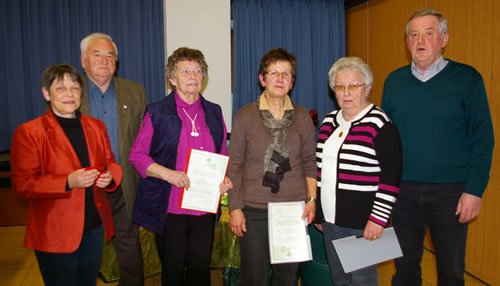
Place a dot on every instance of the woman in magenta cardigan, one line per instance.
(181, 121)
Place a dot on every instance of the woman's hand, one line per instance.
(176, 178)
(82, 178)
(237, 222)
(104, 180)
(226, 185)
(309, 211)
(373, 231)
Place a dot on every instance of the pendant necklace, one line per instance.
(194, 132)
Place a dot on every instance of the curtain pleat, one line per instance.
(313, 30)
(36, 34)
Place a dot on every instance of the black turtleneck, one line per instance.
(74, 131)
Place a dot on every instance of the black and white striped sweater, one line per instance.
(368, 171)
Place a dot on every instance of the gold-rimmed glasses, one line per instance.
(276, 74)
(187, 72)
(350, 88)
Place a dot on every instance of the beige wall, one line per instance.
(204, 25)
(375, 32)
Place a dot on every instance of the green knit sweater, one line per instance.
(445, 126)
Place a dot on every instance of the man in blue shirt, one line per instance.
(120, 103)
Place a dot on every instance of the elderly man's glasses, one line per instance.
(277, 74)
(350, 88)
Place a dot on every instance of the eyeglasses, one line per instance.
(350, 88)
(276, 74)
(188, 72)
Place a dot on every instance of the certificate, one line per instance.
(206, 170)
(288, 237)
(356, 252)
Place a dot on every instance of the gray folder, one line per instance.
(356, 253)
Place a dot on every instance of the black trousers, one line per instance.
(126, 242)
(255, 258)
(429, 205)
(184, 248)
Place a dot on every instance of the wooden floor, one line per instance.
(18, 266)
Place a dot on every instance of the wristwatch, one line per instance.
(311, 199)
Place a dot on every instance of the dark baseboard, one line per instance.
(4, 166)
(5, 183)
(13, 209)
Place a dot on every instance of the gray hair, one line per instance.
(443, 23)
(185, 54)
(350, 63)
(84, 44)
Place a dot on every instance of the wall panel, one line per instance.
(475, 40)
(204, 25)
(386, 40)
(356, 32)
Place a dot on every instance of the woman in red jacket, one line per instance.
(63, 164)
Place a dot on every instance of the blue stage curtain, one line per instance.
(36, 34)
(313, 30)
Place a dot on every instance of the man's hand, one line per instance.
(468, 207)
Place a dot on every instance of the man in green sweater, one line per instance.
(441, 110)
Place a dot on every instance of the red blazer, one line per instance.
(42, 157)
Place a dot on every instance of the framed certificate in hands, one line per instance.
(206, 170)
(289, 239)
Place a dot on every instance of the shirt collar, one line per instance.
(430, 72)
(94, 88)
(264, 106)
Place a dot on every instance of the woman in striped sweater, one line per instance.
(359, 167)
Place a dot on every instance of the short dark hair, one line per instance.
(276, 55)
(57, 72)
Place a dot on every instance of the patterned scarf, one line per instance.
(276, 161)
